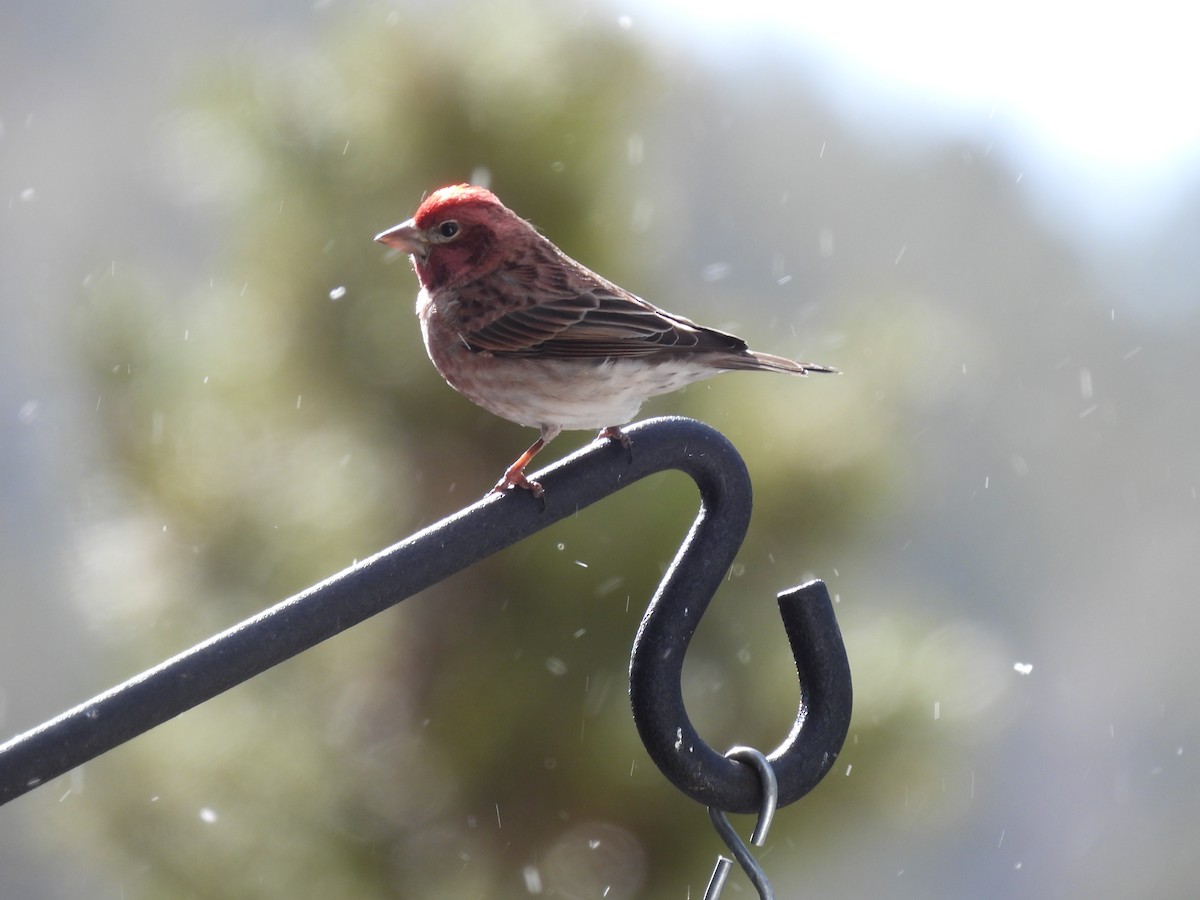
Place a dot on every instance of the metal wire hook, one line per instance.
(770, 800)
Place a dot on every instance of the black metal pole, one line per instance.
(375, 584)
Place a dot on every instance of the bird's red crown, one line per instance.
(453, 197)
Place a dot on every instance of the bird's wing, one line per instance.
(599, 321)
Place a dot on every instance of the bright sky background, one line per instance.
(1105, 95)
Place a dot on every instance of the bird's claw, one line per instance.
(516, 479)
(614, 433)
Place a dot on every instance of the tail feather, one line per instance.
(752, 361)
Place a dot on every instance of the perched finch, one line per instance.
(531, 335)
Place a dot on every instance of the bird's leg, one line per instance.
(514, 475)
(614, 433)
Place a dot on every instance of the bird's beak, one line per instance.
(405, 237)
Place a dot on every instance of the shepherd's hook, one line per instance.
(498, 521)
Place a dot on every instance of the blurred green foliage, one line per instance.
(276, 418)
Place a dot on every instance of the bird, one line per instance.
(529, 334)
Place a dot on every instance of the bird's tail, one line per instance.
(752, 361)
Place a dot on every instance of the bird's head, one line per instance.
(455, 235)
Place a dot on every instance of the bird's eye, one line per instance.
(448, 229)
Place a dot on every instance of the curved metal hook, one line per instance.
(656, 673)
(498, 521)
(770, 800)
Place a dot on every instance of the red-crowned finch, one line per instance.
(533, 336)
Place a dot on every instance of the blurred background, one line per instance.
(214, 394)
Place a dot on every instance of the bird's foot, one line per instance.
(515, 478)
(514, 475)
(614, 433)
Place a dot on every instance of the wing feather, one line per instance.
(599, 320)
